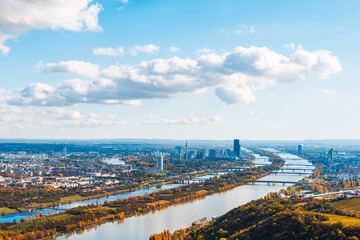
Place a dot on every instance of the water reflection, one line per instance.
(181, 216)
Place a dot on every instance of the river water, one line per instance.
(181, 216)
(60, 208)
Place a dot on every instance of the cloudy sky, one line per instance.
(205, 69)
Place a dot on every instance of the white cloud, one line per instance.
(45, 123)
(132, 102)
(3, 37)
(235, 76)
(174, 49)
(76, 67)
(70, 118)
(272, 94)
(20, 126)
(150, 48)
(4, 96)
(62, 114)
(92, 120)
(25, 126)
(109, 51)
(124, 2)
(24, 117)
(14, 114)
(252, 29)
(204, 51)
(251, 112)
(245, 29)
(193, 120)
(235, 94)
(326, 91)
(9, 118)
(72, 115)
(240, 31)
(289, 45)
(18, 16)
(104, 123)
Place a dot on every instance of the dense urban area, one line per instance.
(39, 179)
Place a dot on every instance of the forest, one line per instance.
(282, 219)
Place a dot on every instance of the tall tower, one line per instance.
(237, 148)
(299, 149)
(160, 162)
(186, 150)
(330, 158)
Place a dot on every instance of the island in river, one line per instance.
(84, 216)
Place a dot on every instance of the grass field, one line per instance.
(5, 210)
(71, 199)
(62, 200)
(349, 205)
(39, 205)
(27, 224)
(347, 221)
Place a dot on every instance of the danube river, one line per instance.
(101, 200)
(181, 216)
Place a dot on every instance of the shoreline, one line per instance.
(115, 192)
(106, 220)
(218, 185)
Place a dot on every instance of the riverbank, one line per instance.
(48, 206)
(86, 216)
(181, 216)
(282, 218)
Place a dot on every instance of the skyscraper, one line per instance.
(160, 162)
(200, 154)
(237, 148)
(212, 153)
(330, 158)
(178, 151)
(299, 149)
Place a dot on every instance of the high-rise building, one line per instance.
(230, 154)
(212, 153)
(178, 151)
(64, 151)
(299, 149)
(160, 162)
(237, 148)
(330, 157)
(192, 154)
(200, 154)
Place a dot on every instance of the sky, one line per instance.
(176, 69)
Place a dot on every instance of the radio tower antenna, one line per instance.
(186, 150)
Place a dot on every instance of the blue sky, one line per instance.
(202, 69)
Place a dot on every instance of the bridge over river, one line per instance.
(290, 173)
(272, 182)
(182, 215)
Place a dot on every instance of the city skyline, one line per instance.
(176, 70)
